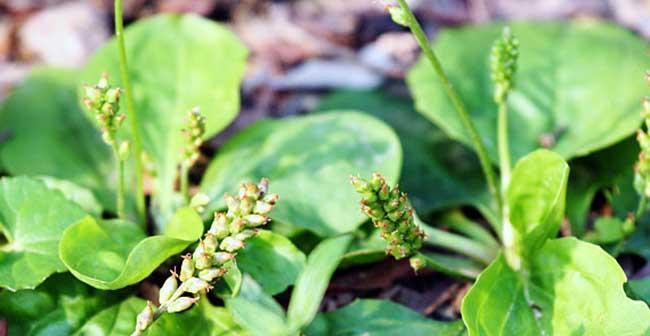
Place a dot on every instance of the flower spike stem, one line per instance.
(409, 19)
(121, 212)
(130, 106)
(247, 212)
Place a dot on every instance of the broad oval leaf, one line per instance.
(309, 161)
(312, 282)
(80, 195)
(116, 320)
(574, 288)
(272, 260)
(111, 254)
(380, 318)
(564, 89)
(438, 172)
(32, 221)
(536, 199)
(60, 306)
(176, 62)
(257, 311)
(49, 135)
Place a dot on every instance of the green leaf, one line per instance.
(608, 230)
(536, 198)
(231, 283)
(111, 254)
(80, 195)
(640, 288)
(598, 171)
(563, 90)
(573, 288)
(382, 318)
(32, 220)
(452, 265)
(312, 282)
(272, 260)
(176, 62)
(309, 161)
(58, 307)
(430, 157)
(118, 319)
(49, 135)
(203, 319)
(257, 311)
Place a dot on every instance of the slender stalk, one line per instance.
(479, 147)
(121, 213)
(458, 222)
(459, 244)
(184, 172)
(504, 150)
(130, 106)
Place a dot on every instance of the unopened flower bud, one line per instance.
(212, 274)
(167, 290)
(194, 285)
(237, 225)
(246, 205)
(232, 203)
(199, 201)
(210, 243)
(263, 185)
(219, 227)
(187, 268)
(180, 304)
(359, 184)
(245, 234)
(203, 261)
(221, 258)
(417, 263)
(256, 220)
(231, 244)
(271, 198)
(262, 208)
(398, 15)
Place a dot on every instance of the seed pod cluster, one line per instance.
(104, 102)
(642, 167)
(247, 211)
(503, 63)
(193, 133)
(391, 212)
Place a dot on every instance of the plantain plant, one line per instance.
(537, 284)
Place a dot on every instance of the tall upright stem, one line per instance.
(130, 106)
(121, 212)
(479, 147)
(504, 148)
(184, 172)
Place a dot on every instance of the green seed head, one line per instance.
(193, 132)
(503, 62)
(390, 211)
(104, 102)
